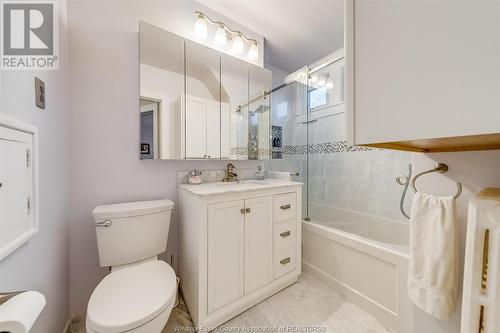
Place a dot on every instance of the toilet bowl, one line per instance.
(139, 293)
(134, 299)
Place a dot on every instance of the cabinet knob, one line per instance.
(247, 210)
(242, 211)
(286, 206)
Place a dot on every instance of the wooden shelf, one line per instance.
(450, 144)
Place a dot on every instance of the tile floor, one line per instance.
(308, 302)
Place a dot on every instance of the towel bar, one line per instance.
(441, 168)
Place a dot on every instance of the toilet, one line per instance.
(139, 293)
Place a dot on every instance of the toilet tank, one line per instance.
(131, 232)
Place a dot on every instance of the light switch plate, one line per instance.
(40, 93)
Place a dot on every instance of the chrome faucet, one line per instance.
(230, 175)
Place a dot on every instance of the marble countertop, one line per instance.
(217, 188)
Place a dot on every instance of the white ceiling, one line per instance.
(296, 32)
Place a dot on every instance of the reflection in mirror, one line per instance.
(203, 121)
(234, 94)
(259, 86)
(161, 86)
(198, 103)
(149, 128)
(325, 86)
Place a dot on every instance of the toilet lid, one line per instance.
(132, 296)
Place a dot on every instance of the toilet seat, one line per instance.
(130, 297)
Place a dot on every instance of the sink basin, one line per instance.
(243, 183)
(228, 184)
(258, 182)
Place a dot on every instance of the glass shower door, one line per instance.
(325, 137)
(289, 131)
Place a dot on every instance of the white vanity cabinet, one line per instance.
(238, 244)
(423, 75)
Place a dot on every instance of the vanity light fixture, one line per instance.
(220, 37)
(253, 52)
(223, 33)
(200, 27)
(321, 81)
(237, 44)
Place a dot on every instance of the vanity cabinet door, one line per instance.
(258, 242)
(226, 241)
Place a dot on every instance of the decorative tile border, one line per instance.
(321, 148)
(243, 150)
(317, 148)
(262, 153)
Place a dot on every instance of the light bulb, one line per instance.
(220, 37)
(253, 52)
(237, 44)
(321, 81)
(329, 84)
(200, 27)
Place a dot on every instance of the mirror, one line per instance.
(202, 107)
(198, 103)
(259, 114)
(234, 75)
(161, 90)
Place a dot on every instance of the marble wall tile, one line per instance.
(360, 179)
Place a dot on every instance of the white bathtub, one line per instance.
(364, 259)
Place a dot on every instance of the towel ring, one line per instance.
(441, 168)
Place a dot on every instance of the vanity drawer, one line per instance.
(284, 261)
(285, 207)
(284, 234)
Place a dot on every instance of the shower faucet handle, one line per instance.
(402, 180)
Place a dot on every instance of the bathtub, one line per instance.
(364, 258)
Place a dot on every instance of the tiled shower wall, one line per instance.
(358, 179)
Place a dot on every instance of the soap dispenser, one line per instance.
(260, 175)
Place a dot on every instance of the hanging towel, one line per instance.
(433, 266)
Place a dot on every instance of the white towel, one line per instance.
(433, 267)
